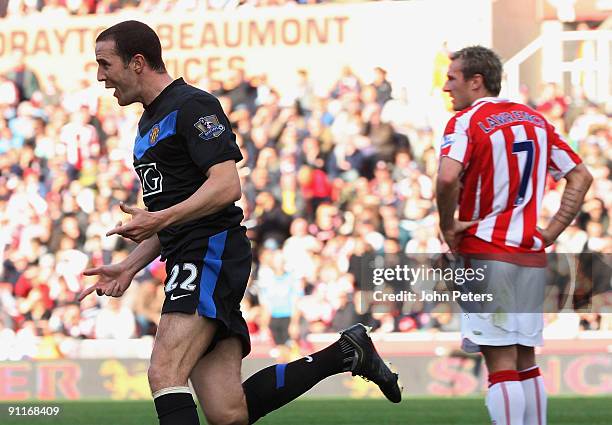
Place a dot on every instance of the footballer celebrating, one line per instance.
(185, 155)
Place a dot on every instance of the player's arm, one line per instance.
(447, 190)
(455, 152)
(114, 279)
(212, 146)
(564, 163)
(579, 180)
(447, 195)
(221, 188)
(146, 251)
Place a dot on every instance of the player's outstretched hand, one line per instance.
(113, 280)
(143, 224)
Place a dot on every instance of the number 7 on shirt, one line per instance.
(518, 147)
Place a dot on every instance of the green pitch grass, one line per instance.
(313, 411)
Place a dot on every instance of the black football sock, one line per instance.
(277, 385)
(175, 405)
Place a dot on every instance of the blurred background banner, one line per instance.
(271, 41)
(583, 372)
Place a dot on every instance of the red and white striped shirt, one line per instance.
(506, 150)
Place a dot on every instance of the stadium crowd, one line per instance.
(61, 8)
(327, 177)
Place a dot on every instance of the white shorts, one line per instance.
(514, 316)
(492, 329)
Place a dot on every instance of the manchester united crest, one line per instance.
(154, 134)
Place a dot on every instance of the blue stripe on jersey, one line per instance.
(210, 274)
(166, 128)
(280, 375)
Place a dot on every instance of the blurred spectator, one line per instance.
(347, 83)
(382, 86)
(443, 319)
(279, 291)
(238, 90)
(553, 104)
(300, 250)
(54, 9)
(24, 78)
(314, 312)
(3, 8)
(346, 314)
(305, 92)
(273, 223)
(147, 305)
(586, 123)
(115, 321)
(9, 92)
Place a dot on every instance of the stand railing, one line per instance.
(595, 69)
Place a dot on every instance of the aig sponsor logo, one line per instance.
(150, 178)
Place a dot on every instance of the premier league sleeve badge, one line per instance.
(209, 127)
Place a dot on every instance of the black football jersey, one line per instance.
(181, 134)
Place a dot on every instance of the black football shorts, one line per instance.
(210, 276)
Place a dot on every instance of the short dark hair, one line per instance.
(132, 38)
(483, 61)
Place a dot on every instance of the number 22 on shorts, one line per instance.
(187, 284)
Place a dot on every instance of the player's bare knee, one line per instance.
(230, 416)
(156, 378)
(162, 376)
(231, 411)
